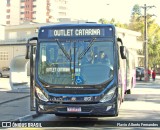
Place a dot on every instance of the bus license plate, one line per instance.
(73, 109)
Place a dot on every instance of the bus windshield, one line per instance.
(74, 62)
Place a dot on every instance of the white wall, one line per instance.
(40, 11)
(58, 7)
(2, 32)
(15, 12)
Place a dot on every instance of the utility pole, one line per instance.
(145, 7)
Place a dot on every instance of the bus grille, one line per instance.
(73, 91)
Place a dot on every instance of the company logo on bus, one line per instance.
(73, 99)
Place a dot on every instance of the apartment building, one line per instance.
(15, 12)
(3, 12)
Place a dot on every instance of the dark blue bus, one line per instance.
(77, 70)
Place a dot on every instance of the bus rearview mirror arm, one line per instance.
(120, 40)
(28, 46)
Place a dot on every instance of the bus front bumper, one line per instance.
(98, 109)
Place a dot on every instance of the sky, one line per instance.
(93, 10)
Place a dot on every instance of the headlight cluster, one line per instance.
(41, 95)
(109, 95)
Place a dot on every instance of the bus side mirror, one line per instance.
(123, 52)
(28, 47)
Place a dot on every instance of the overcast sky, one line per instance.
(121, 10)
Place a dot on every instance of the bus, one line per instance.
(131, 71)
(77, 70)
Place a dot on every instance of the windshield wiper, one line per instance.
(63, 50)
(87, 49)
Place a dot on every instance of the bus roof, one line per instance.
(78, 25)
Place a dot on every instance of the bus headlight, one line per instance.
(109, 95)
(41, 95)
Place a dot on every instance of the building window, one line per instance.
(8, 2)
(3, 55)
(8, 22)
(62, 7)
(22, 7)
(12, 35)
(8, 16)
(8, 10)
(22, 0)
(62, 14)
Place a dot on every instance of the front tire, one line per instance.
(117, 109)
(37, 111)
(117, 104)
(128, 91)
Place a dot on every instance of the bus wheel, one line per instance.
(128, 91)
(117, 108)
(140, 79)
(37, 111)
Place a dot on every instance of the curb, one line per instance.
(14, 99)
(27, 117)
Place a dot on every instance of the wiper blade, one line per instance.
(86, 50)
(63, 50)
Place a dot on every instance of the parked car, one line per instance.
(140, 72)
(5, 72)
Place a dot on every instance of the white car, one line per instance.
(5, 72)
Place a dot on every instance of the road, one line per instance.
(142, 105)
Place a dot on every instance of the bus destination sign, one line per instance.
(81, 32)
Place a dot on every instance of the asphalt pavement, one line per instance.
(9, 96)
(14, 101)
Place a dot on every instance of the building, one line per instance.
(2, 33)
(3, 12)
(15, 12)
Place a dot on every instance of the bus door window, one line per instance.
(52, 53)
(43, 60)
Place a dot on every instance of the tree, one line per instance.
(136, 21)
(137, 24)
(136, 10)
(103, 21)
